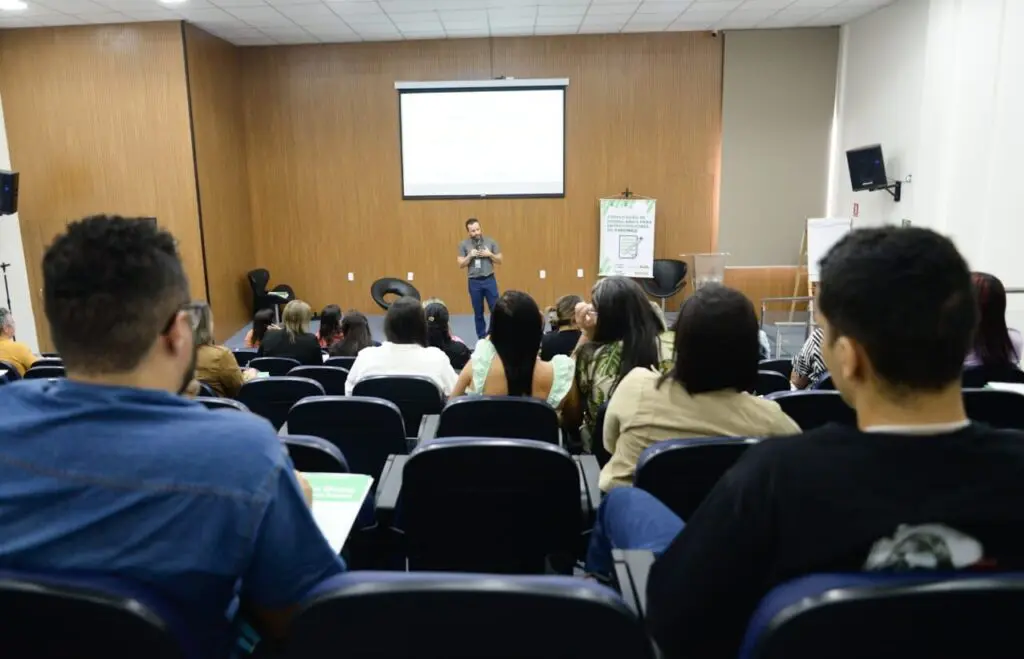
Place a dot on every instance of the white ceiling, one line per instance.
(264, 22)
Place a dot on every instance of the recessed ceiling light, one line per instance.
(12, 5)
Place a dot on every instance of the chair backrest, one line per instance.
(315, 454)
(64, 617)
(669, 273)
(517, 417)
(12, 372)
(391, 286)
(366, 430)
(466, 616)
(681, 472)
(976, 377)
(997, 408)
(341, 362)
(812, 409)
(274, 365)
(415, 395)
(332, 378)
(215, 403)
(243, 356)
(37, 372)
(770, 382)
(259, 279)
(490, 505)
(272, 397)
(48, 361)
(783, 367)
(889, 616)
(825, 383)
(597, 439)
(206, 391)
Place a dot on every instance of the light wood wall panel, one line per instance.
(644, 111)
(758, 283)
(97, 122)
(215, 93)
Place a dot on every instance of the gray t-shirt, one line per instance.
(479, 267)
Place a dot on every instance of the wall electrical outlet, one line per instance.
(543, 274)
(579, 273)
(408, 276)
(351, 276)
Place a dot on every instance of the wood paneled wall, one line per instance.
(97, 122)
(644, 111)
(758, 283)
(215, 93)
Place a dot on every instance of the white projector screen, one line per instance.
(483, 142)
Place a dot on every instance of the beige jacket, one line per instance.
(641, 413)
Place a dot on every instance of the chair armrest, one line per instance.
(590, 490)
(283, 431)
(428, 428)
(632, 569)
(389, 489)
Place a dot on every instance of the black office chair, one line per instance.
(39, 372)
(332, 378)
(597, 439)
(272, 397)
(315, 454)
(274, 365)
(365, 430)
(889, 616)
(413, 394)
(516, 417)
(812, 409)
(999, 409)
(490, 505)
(341, 362)
(12, 374)
(783, 367)
(681, 472)
(259, 279)
(244, 356)
(770, 382)
(391, 286)
(58, 616)
(216, 403)
(976, 377)
(48, 361)
(466, 616)
(669, 277)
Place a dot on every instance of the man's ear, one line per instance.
(852, 359)
(180, 333)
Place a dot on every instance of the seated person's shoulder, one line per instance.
(239, 446)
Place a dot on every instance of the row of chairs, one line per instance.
(974, 377)
(843, 616)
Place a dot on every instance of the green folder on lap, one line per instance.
(337, 499)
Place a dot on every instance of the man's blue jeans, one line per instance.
(481, 288)
(630, 518)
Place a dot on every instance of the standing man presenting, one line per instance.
(478, 254)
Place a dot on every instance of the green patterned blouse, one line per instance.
(596, 374)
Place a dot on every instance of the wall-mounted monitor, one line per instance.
(867, 168)
(483, 138)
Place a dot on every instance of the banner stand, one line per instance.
(626, 236)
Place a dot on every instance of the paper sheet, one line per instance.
(337, 499)
(1015, 387)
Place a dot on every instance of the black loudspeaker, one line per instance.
(8, 192)
(867, 168)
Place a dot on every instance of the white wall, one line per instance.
(939, 84)
(11, 251)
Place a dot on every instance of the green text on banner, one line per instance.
(627, 237)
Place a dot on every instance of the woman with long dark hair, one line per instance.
(355, 335)
(703, 395)
(439, 335)
(994, 343)
(330, 326)
(506, 363)
(564, 334)
(262, 320)
(620, 332)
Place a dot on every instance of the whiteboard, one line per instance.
(822, 234)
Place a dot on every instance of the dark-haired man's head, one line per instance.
(716, 341)
(405, 322)
(473, 227)
(898, 312)
(117, 299)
